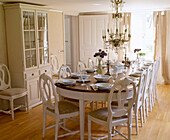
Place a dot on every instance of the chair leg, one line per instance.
(136, 121)
(56, 129)
(89, 129)
(44, 122)
(26, 103)
(150, 102)
(147, 107)
(114, 127)
(109, 133)
(144, 116)
(141, 116)
(129, 129)
(12, 108)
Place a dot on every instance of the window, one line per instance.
(142, 34)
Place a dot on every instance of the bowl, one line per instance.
(89, 70)
(102, 78)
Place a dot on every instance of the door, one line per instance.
(90, 33)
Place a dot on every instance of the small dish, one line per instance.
(89, 70)
(66, 82)
(102, 78)
(81, 81)
(104, 86)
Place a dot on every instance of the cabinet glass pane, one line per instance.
(33, 57)
(31, 21)
(29, 38)
(32, 39)
(43, 38)
(26, 40)
(28, 59)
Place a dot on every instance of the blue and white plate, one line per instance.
(66, 82)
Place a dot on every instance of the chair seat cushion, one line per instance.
(65, 107)
(102, 114)
(12, 91)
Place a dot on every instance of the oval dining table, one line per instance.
(85, 93)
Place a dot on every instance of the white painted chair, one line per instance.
(155, 78)
(59, 110)
(146, 96)
(64, 71)
(139, 100)
(90, 63)
(10, 94)
(54, 65)
(81, 66)
(114, 116)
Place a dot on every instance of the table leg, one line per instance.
(82, 110)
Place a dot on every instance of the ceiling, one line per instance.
(76, 6)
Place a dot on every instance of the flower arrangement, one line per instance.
(137, 50)
(142, 54)
(99, 55)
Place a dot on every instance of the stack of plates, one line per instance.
(102, 78)
(104, 86)
(74, 75)
(66, 82)
(89, 70)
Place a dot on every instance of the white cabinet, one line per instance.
(28, 47)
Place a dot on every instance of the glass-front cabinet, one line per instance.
(28, 47)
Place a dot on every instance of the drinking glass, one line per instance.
(83, 77)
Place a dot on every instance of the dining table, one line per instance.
(86, 93)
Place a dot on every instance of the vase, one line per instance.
(99, 67)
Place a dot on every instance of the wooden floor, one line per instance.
(28, 126)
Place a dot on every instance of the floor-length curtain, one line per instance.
(74, 42)
(125, 23)
(162, 43)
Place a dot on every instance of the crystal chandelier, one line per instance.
(119, 34)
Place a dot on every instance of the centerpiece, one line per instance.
(100, 55)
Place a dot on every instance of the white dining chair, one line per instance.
(90, 63)
(114, 116)
(64, 71)
(146, 95)
(155, 78)
(80, 66)
(54, 65)
(59, 110)
(11, 94)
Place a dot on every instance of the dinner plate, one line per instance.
(104, 86)
(81, 81)
(66, 81)
(102, 78)
(74, 75)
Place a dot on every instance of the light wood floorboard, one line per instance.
(28, 126)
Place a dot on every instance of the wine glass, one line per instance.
(83, 77)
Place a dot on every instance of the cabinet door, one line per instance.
(43, 38)
(29, 39)
(33, 91)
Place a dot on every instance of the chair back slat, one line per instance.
(64, 71)
(141, 88)
(47, 89)
(5, 79)
(123, 87)
(81, 66)
(54, 64)
(90, 63)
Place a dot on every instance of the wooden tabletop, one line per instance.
(78, 87)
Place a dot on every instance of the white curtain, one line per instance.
(162, 44)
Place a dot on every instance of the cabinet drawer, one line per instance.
(45, 70)
(31, 74)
